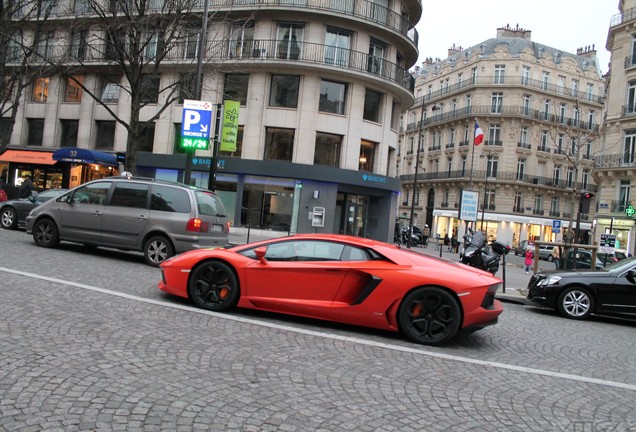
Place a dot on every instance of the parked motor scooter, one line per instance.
(476, 252)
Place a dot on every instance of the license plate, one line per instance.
(218, 228)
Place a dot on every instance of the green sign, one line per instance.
(629, 211)
(195, 143)
(230, 125)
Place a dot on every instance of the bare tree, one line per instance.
(22, 25)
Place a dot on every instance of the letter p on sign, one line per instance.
(190, 118)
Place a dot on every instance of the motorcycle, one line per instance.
(417, 237)
(476, 252)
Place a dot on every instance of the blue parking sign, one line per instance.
(196, 124)
(556, 226)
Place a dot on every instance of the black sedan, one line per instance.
(578, 294)
(13, 213)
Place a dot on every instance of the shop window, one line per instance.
(74, 89)
(332, 97)
(235, 87)
(105, 135)
(150, 88)
(284, 91)
(268, 203)
(239, 145)
(367, 154)
(40, 89)
(69, 133)
(147, 139)
(279, 144)
(36, 132)
(110, 89)
(372, 101)
(327, 151)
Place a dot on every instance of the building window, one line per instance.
(538, 204)
(494, 134)
(187, 87)
(290, 38)
(526, 104)
(235, 87)
(104, 135)
(242, 41)
(518, 204)
(40, 89)
(279, 144)
(367, 155)
(562, 110)
(557, 175)
(110, 89)
(629, 147)
(150, 87)
(147, 139)
(69, 133)
(190, 42)
(590, 91)
(376, 57)
(545, 78)
(525, 75)
(36, 131)
(575, 88)
(337, 47)
(79, 45)
(570, 178)
(521, 169)
(554, 206)
(496, 103)
(44, 46)
(543, 141)
(327, 151)
(73, 89)
(523, 136)
(624, 192)
(284, 91)
(586, 179)
(500, 73)
(560, 84)
(332, 97)
(491, 166)
(239, 145)
(372, 100)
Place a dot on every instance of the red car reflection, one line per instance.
(340, 278)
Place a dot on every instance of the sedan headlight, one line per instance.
(550, 280)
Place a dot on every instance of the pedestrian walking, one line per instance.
(447, 242)
(529, 259)
(454, 243)
(557, 257)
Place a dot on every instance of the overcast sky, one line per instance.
(562, 24)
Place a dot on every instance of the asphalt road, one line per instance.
(87, 342)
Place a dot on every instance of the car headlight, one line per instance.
(551, 280)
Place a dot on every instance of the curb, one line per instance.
(513, 295)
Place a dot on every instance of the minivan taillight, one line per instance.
(197, 225)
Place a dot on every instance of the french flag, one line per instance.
(479, 134)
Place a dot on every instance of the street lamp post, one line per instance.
(409, 241)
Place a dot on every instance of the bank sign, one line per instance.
(196, 124)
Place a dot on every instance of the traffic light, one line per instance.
(586, 198)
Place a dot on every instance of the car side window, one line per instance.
(351, 253)
(169, 199)
(94, 193)
(133, 195)
(310, 250)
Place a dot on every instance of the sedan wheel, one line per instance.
(429, 316)
(550, 258)
(45, 233)
(213, 286)
(575, 303)
(157, 249)
(9, 218)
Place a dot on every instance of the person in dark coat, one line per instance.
(26, 188)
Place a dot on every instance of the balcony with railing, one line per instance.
(510, 81)
(618, 19)
(249, 51)
(516, 111)
(618, 206)
(616, 161)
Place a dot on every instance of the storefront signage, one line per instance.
(617, 222)
(229, 128)
(629, 211)
(468, 211)
(373, 178)
(195, 124)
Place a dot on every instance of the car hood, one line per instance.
(575, 274)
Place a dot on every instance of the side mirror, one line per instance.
(260, 254)
(631, 276)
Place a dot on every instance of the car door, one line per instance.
(80, 215)
(126, 215)
(618, 294)
(298, 277)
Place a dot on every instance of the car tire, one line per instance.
(550, 258)
(45, 233)
(213, 286)
(157, 249)
(429, 316)
(9, 218)
(575, 303)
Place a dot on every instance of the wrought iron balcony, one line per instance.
(621, 160)
(628, 15)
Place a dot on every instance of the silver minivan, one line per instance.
(156, 217)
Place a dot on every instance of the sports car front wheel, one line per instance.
(213, 286)
(429, 316)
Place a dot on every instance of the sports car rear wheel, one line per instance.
(576, 303)
(429, 316)
(213, 286)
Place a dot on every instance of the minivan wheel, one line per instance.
(45, 233)
(157, 249)
(9, 218)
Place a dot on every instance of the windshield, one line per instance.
(621, 265)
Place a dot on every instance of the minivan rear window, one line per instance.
(209, 204)
(169, 199)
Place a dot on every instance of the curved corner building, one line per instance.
(321, 85)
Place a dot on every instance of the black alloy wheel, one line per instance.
(45, 233)
(429, 316)
(157, 249)
(575, 303)
(214, 286)
(9, 218)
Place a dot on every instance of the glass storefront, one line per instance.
(268, 203)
